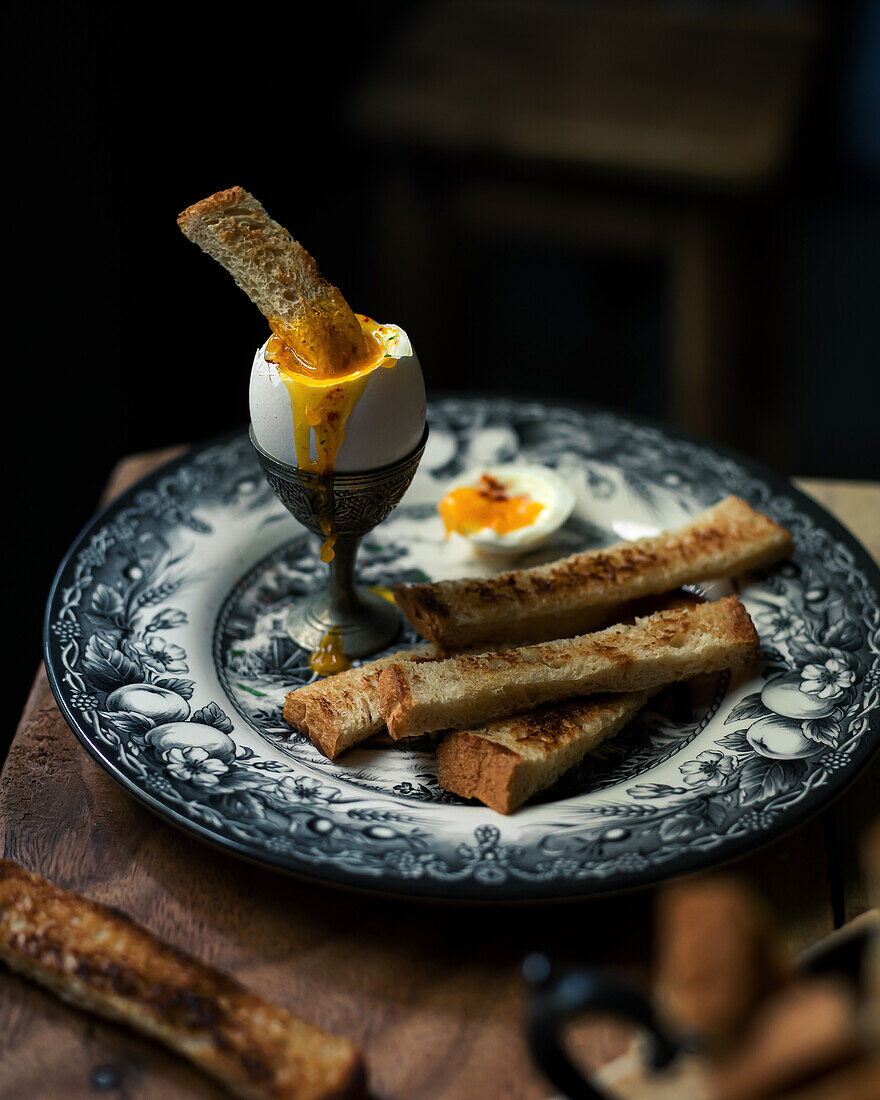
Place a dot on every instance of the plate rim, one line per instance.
(470, 891)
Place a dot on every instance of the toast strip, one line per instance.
(467, 691)
(282, 280)
(100, 960)
(505, 763)
(584, 592)
(343, 710)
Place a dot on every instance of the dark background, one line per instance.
(521, 255)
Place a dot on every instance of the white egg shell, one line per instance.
(385, 425)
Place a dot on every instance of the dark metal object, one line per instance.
(559, 996)
(354, 504)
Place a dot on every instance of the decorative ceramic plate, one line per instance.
(167, 650)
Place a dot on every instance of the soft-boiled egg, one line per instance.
(370, 417)
(507, 509)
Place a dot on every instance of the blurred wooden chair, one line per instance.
(626, 126)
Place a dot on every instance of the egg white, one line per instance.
(538, 483)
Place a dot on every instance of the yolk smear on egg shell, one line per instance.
(488, 504)
(321, 402)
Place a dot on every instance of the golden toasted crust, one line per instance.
(101, 960)
(279, 276)
(343, 710)
(465, 691)
(472, 767)
(218, 205)
(505, 763)
(584, 592)
(395, 694)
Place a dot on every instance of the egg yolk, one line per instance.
(329, 657)
(321, 401)
(487, 504)
(384, 592)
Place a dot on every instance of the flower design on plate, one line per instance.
(829, 680)
(709, 768)
(780, 623)
(194, 766)
(164, 655)
(304, 788)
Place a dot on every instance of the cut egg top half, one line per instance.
(371, 417)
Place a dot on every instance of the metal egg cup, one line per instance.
(356, 503)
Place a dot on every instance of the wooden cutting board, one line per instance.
(433, 993)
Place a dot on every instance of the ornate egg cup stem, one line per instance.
(365, 622)
(356, 503)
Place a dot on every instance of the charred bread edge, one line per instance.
(107, 984)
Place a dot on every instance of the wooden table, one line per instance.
(433, 993)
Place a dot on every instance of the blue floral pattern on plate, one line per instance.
(167, 651)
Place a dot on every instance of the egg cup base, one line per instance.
(367, 625)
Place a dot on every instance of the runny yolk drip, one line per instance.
(321, 402)
(487, 504)
(384, 592)
(329, 657)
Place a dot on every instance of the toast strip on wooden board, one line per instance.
(99, 959)
(280, 278)
(505, 763)
(343, 710)
(469, 690)
(584, 592)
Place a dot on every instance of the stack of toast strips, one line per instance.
(527, 671)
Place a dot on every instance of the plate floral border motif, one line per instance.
(778, 753)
